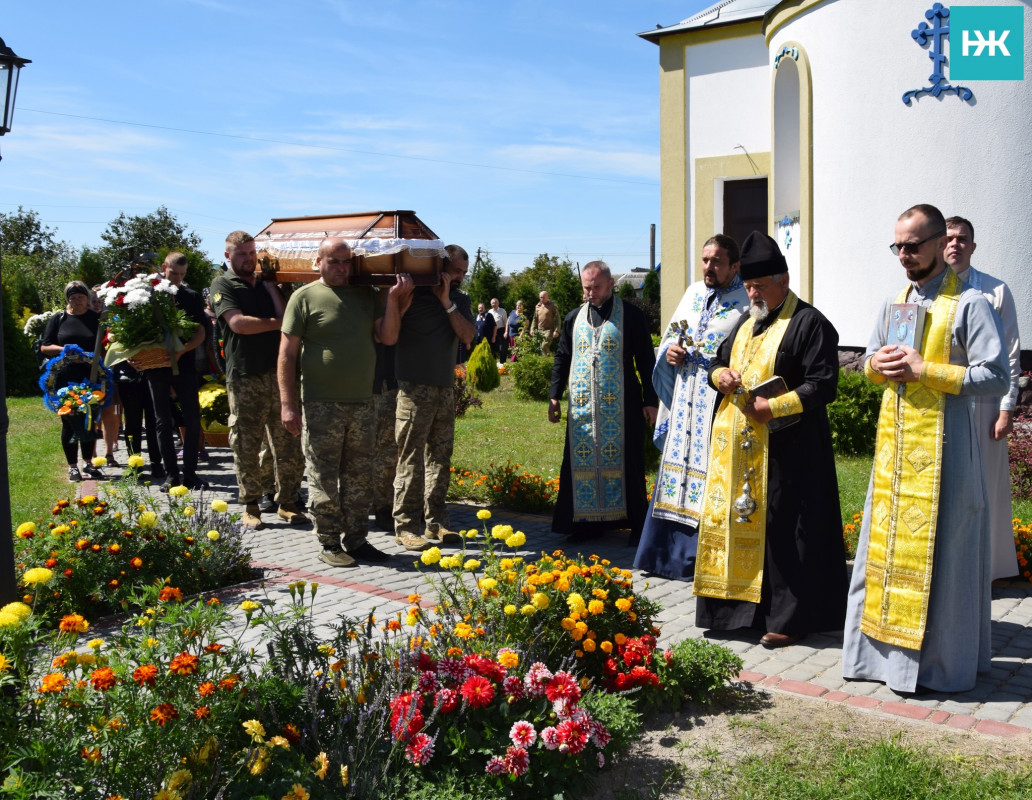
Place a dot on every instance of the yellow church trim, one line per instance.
(783, 12)
(805, 288)
(675, 180)
(707, 171)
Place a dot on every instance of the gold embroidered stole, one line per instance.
(729, 564)
(905, 501)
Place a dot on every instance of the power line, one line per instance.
(339, 149)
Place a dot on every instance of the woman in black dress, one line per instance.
(77, 325)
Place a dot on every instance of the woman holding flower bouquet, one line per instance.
(77, 326)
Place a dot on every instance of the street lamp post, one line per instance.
(10, 66)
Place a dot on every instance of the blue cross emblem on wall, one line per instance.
(935, 34)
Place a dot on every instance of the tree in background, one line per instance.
(22, 233)
(484, 280)
(650, 288)
(149, 232)
(626, 291)
(554, 274)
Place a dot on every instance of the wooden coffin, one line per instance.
(384, 243)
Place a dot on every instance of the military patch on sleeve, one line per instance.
(217, 297)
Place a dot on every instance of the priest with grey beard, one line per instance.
(771, 555)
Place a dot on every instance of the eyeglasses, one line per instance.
(913, 247)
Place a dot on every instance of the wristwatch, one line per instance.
(451, 309)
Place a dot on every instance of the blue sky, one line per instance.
(520, 127)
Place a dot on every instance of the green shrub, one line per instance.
(692, 671)
(482, 369)
(854, 414)
(532, 377)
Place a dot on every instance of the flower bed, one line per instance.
(95, 553)
(512, 487)
(495, 693)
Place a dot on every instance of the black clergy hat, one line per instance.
(761, 257)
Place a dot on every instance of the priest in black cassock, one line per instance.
(604, 345)
(771, 554)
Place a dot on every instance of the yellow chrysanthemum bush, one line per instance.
(94, 552)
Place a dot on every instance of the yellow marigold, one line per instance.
(343, 775)
(279, 741)
(189, 511)
(179, 779)
(528, 610)
(321, 764)
(259, 761)
(487, 583)
(632, 616)
(568, 624)
(26, 530)
(86, 659)
(588, 645)
(249, 606)
(60, 530)
(472, 533)
(619, 638)
(497, 532)
(624, 603)
(463, 630)
(562, 584)
(505, 564)
(606, 646)
(540, 601)
(297, 792)
(451, 562)
(147, 520)
(518, 539)
(411, 619)
(255, 730)
(483, 514)
(136, 461)
(471, 564)
(601, 594)
(509, 609)
(213, 535)
(508, 658)
(431, 556)
(596, 607)
(179, 491)
(4, 663)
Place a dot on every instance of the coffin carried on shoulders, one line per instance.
(383, 243)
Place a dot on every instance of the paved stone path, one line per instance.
(999, 705)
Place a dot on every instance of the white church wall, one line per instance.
(873, 156)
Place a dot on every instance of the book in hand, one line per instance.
(774, 387)
(906, 325)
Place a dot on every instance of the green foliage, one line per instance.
(95, 266)
(625, 291)
(650, 289)
(148, 232)
(854, 414)
(532, 376)
(528, 344)
(692, 671)
(551, 273)
(482, 369)
(620, 715)
(484, 281)
(22, 233)
(20, 371)
(35, 461)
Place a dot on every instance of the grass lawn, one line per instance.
(35, 462)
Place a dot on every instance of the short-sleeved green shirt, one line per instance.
(338, 353)
(246, 354)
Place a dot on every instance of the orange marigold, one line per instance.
(73, 623)
(52, 683)
(170, 593)
(229, 682)
(205, 689)
(145, 674)
(136, 562)
(103, 679)
(202, 712)
(164, 713)
(184, 664)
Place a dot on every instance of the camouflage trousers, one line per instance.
(385, 465)
(254, 413)
(425, 433)
(338, 445)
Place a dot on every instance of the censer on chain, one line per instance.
(745, 504)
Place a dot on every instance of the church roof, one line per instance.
(726, 12)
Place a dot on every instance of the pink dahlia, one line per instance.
(420, 749)
(517, 760)
(563, 684)
(513, 688)
(446, 700)
(550, 738)
(495, 766)
(573, 736)
(537, 679)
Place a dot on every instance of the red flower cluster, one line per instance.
(636, 654)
